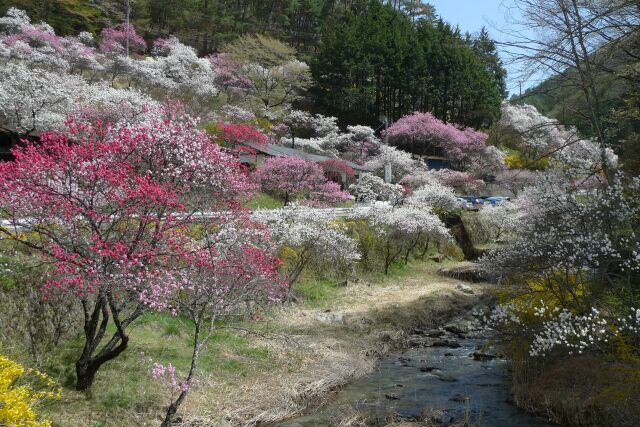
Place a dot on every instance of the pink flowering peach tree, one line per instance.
(229, 268)
(423, 133)
(293, 178)
(107, 207)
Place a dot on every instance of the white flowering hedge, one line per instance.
(556, 331)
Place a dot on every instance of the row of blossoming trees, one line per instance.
(568, 259)
(119, 201)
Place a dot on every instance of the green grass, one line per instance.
(124, 388)
(317, 293)
(125, 384)
(263, 201)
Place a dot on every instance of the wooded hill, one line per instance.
(617, 78)
(370, 59)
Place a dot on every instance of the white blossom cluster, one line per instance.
(541, 136)
(565, 228)
(500, 220)
(371, 188)
(312, 233)
(405, 221)
(46, 77)
(434, 195)
(401, 162)
(501, 315)
(564, 329)
(320, 132)
(178, 71)
(36, 99)
(631, 323)
(560, 330)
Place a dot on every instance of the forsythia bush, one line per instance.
(21, 389)
(518, 161)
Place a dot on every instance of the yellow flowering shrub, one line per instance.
(518, 161)
(21, 389)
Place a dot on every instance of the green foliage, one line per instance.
(263, 201)
(374, 61)
(260, 49)
(66, 16)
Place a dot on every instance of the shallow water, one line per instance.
(459, 385)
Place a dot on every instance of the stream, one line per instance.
(449, 380)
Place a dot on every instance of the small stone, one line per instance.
(459, 398)
(446, 343)
(419, 342)
(464, 288)
(447, 378)
(328, 317)
(478, 355)
(457, 327)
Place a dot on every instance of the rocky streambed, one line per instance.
(447, 376)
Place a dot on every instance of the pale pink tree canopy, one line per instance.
(292, 178)
(114, 39)
(424, 132)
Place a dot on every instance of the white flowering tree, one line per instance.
(176, 71)
(574, 244)
(434, 195)
(400, 161)
(403, 230)
(277, 77)
(371, 188)
(33, 100)
(304, 131)
(543, 142)
(309, 236)
(500, 221)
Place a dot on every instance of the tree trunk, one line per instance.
(85, 373)
(173, 408)
(96, 320)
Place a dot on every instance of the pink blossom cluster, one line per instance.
(462, 145)
(293, 178)
(167, 375)
(108, 203)
(114, 40)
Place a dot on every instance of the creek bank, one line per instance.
(344, 342)
(450, 376)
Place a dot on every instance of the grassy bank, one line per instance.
(580, 390)
(265, 370)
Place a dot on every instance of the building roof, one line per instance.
(282, 151)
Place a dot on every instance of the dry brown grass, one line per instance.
(585, 390)
(307, 358)
(330, 355)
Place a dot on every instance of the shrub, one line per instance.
(22, 389)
